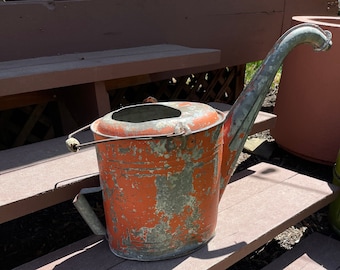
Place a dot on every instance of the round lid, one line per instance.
(158, 119)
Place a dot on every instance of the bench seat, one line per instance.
(28, 75)
(247, 219)
(83, 80)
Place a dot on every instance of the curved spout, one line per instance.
(244, 111)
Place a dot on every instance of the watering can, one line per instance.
(164, 166)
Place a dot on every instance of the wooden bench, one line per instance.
(80, 80)
(36, 176)
(28, 75)
(247, 219)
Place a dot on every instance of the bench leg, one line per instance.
(102, 98)
(82, 104)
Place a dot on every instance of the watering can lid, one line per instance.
(158, 119)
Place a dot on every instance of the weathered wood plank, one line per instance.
(26, 99)
(22, 76)
(43, 174)
(316, 252)
(37, 186)
(85, 252)
(248, 218)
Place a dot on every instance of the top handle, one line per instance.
(73, 145)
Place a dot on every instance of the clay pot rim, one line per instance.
(319, 20)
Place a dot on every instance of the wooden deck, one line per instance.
(247, 219)
(77, 68)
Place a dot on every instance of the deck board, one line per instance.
(264, 201)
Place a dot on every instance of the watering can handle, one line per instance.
(87, 212)
(74, 145)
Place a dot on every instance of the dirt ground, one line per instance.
(34, 235)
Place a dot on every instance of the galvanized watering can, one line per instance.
(164, 166)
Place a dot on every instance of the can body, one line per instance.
(160, 194)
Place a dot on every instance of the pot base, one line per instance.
(150, 256)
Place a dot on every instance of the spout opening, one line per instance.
(140, 114)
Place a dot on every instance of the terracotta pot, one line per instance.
(308, 102)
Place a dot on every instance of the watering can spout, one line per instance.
(244, 111)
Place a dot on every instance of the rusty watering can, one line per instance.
(164, 166)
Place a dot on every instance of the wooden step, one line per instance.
(28, 75)
(39, 175)
(257, 205)
(317, 251)
(36, 176)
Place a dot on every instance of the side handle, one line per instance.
(87, 212)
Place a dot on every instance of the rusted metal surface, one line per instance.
(164, 166)
(160, 194)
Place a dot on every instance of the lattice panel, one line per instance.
(222, 85)
(28, 124)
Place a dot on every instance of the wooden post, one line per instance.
(82, 104)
